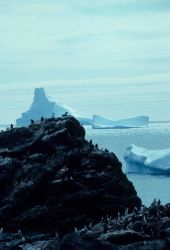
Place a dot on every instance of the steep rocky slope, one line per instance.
(53, 180)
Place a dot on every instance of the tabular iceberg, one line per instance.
(41, 106)
(100, 122)
(145, 161)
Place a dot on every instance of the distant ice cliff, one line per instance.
(135, 122)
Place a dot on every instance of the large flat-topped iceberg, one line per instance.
(41, 107)
(100, 122)
(145, 161)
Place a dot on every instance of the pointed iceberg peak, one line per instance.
(39, 95)
(41, 107)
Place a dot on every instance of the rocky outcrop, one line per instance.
(53, 180)
(59, 191)
(142, 229)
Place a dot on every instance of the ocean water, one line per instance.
(156, 136)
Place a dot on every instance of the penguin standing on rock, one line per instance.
(106, 151)
(32, 121)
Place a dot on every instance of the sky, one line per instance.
(107, 57)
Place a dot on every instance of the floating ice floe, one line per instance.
(145, 161)
(100, 122)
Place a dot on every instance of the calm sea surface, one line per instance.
(156, 136)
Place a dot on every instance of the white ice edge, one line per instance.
(139, 159)
(100, 122)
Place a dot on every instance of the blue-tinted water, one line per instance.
(156, 136)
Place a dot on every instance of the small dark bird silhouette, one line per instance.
(32, 121)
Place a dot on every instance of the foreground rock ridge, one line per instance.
(53, 179)
(54, 183)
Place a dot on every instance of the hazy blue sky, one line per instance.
(110, 57)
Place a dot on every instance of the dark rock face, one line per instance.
(53, 180)
(59, 191)
(142, 229)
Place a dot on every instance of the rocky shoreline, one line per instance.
(59, 191)
(144, 228)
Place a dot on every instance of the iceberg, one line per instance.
(41, 107)
(144, 161)
(100, 122)
(84, 121)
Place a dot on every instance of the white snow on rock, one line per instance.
(100, 122)
(41, 107)
(142, 160)
(5, 161)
